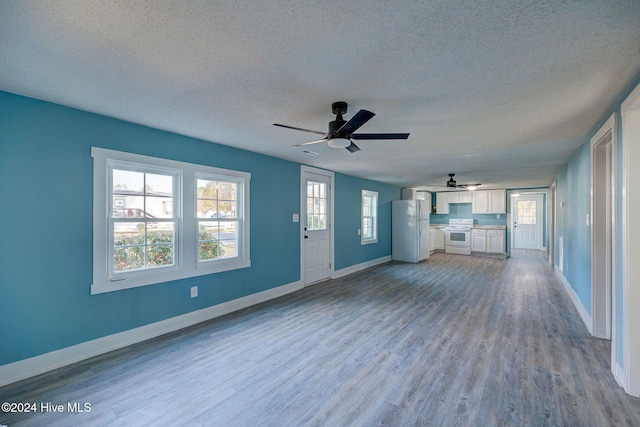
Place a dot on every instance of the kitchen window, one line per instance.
(369, 229)
(157, 220)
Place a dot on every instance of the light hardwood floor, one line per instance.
(454, 341)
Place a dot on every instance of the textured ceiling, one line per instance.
(499, 92)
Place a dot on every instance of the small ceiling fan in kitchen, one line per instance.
(453, 184)
(341, 132)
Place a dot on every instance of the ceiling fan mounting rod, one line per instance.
(339, 108)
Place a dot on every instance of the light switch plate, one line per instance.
(296, 218)
(194, 291)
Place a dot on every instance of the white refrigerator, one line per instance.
(410, 230)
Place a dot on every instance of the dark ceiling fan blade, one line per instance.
(303, 130)
(353, 147)
(302, 144)
(361, 117)
(380, 136)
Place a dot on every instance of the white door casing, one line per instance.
(629, 373)
(316, 229)
(603, 226)
(527, 232)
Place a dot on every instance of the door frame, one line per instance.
(303, 220)
(603, 300)
(551, 224)
(539, 213)
(629, 373)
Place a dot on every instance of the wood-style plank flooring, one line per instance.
(454, 341)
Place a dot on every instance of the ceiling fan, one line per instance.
(341, 132)
(452, 184)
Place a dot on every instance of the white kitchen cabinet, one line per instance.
(495, 241)
(478, 240)
(442, 203)
(437, 238)
(461, 197)
(489, 202)
(433, 239)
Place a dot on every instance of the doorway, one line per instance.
(316, 230)
(527, 222)
(603, 171)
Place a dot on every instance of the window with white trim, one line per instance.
(369, 233)
(157, 220)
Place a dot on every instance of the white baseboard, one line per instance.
(618, 374)
(358, 267)
(584, 314)
(26, 368)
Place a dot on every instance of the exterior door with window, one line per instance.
(527, 222)
(316, 227)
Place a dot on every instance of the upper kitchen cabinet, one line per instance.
(489, 202)
(461, 197)
(442, 203)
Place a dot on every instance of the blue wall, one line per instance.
(573, 188)
(348, 201)
(46, 227)
(574, 191)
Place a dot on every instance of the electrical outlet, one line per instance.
(194, 291)
(358, 231)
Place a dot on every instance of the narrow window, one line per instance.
(369, 229)
(217, 218)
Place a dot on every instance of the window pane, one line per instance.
(128, 233)
(527, 212)
(159, 185)
(227, 209)
(128, 258)
(159, 255)
(159, 207)
(207, 209)
(127, 206)
(227, 191)
(228, 248)
(127, 182)
(208, 250)
(207, 189)
(160, 232)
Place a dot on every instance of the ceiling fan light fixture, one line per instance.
(339, 142)
(471, 187)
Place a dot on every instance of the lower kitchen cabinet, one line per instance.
(437, 238)
(478, 240)
(495, 241)
(489, 241)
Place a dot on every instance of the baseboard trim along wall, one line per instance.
(359, 267)
(618, 374)
(33, 366)
(584, 314)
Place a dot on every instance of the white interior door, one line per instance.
(316, 226)
(527, 222)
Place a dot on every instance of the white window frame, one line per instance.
(373, 196)
(186, 232)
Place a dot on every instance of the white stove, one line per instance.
(458, 236)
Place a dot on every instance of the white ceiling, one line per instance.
(499, 92)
